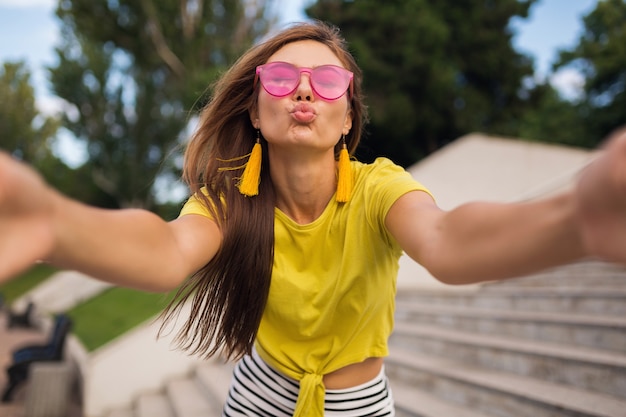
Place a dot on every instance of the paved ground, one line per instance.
(11, 339)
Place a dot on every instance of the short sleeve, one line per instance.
(195, 205)
(383, 184)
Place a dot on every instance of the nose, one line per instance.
(304, 91)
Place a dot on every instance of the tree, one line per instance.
(25, 132)
(134, 71)
(433, 70)
(601, 57)
(31, 137)
(553, 119)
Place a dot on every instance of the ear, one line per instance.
(347, 125)
(254, 118)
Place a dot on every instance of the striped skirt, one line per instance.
(261, 391)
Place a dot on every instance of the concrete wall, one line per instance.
(134, 363)
(62, 291)
(113, 375)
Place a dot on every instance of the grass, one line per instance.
(100, 319)
(19, 286)
(112, 313)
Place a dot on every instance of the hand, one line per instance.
(601, 198)
(26, 228)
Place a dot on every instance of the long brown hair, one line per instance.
(229, 293)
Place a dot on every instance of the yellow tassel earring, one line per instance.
(251, 177)
(345, 181)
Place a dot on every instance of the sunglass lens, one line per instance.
(329, 81)
(279, 79)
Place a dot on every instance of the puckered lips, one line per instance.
(303, 113)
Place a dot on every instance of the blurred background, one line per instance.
(101, 96)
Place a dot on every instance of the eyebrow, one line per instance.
(312, 67)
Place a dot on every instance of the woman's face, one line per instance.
(302, 119)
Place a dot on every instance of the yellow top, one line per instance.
(332, 295)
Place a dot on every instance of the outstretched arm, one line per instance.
(489, 241)
(601, 198)
(133, 248)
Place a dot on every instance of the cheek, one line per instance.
(268, 107)
(341, 113)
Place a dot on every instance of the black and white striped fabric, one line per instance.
(260, 391)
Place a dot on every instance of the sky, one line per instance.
(29, 31)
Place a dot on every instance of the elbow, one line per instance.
(437, 267)
(449, 277)
(159, 288)
(473, 274)
(165, 282)
(155, 285)
(450, 273)
(453, 267)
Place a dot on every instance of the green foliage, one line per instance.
(112, 313)
(132, 70)
(553, 119)
(25, 282)
(25, 132)
(601, 56)
(30, 136)
(433, 71)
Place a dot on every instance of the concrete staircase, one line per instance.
(549, 345)
(200, 394)
(553, 344)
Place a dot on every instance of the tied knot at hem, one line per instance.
(311, 397)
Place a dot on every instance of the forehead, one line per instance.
(306, 53)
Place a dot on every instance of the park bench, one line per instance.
(24, 358)
(23, 319)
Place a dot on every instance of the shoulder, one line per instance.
(380, 170)
(383, 175)
(380, 166)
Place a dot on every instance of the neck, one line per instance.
(303, 184)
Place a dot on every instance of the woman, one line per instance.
(293, 267)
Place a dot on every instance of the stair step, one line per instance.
(411, 402)
(126, 412)
(579, 274)
(188, 400)
(585, 368)
(599, 301)
(154, 405)
(215, 377)
(602, 332)
(536, 348)
(576, 319)
(512, 395)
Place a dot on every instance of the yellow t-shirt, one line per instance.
(332, 294)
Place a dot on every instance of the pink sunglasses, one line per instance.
(280, 79)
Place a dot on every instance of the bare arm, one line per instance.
(485, 241)
(133, 248)
(601, 195)
(488, 241)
